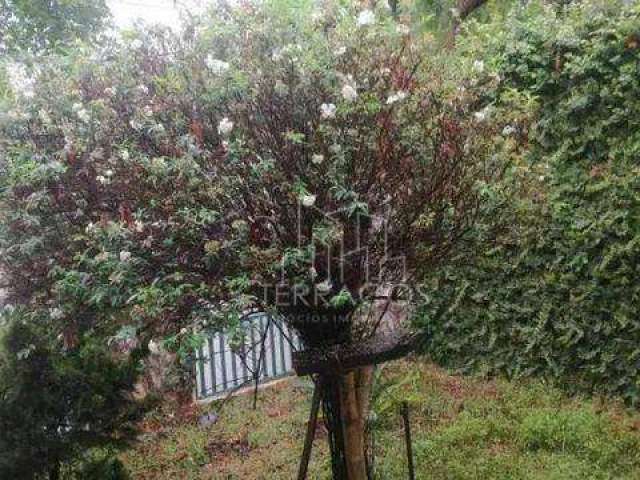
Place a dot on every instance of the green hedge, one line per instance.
(558, 291)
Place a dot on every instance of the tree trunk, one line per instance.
(346, 402)
(352, 424)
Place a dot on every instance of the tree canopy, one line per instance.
(37, 26)
(272, 157)
(167, 173)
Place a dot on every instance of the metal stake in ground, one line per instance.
(311, 431)
(407, 438)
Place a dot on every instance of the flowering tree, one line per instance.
(303, 163)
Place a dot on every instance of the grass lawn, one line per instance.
(463, 428)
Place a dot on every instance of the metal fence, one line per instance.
(265, 353)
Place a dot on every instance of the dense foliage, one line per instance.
(39, 26)
(54, 405)
(155, 184)
(558, 293)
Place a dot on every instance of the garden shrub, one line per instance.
(557, 292)
(155, 185)
(55, 405)
(151, 184)
(98, 463)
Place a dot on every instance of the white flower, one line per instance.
(346, 79)
(396, 97)
(158, 163)
(327, 110)
(316, 16)
(102, 179)
(349, 93)
(313, 272)
(508, 130)
(154, 347)
(225, 126)
(478, 66)
(335, 148)
(44, 116)
(366, 17)
(183, 331)
(403, 29)
(90, 227)
(317, 158)
(83, 115)
(216, 66)
(455, 13)
(158, 128)
(102, 257)
(324, 287)
(125, 155)
(340, 51)
(138, 226)
(108, 173)
(136, 44)
(125, 256)
(276, 55)
(142, 89)
(56, 314)
(482, 115)
(81, 112)
(308, 200)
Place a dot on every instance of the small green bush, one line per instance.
(99, 464)
(56, 404)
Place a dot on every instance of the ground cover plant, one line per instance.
(463, 428)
